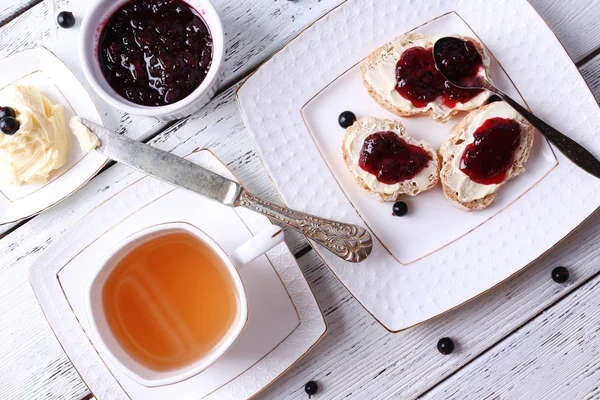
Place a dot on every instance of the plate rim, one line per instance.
(315, 248)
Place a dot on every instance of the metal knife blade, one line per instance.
(165, 166)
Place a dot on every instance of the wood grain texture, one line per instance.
(358, 358)
(565, 17)
(591, 73)
(554, 356)
(561, 16)
(10, 9)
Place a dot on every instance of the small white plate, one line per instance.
(284, 319)
(40, 68)
(438, 256)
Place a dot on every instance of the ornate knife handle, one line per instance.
(350, 242)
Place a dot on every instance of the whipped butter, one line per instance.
(382, 77)
(42, 142)
(87, 140)
(353, 146)
(466, 189)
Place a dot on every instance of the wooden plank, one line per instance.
(359, 359)
(356, 348)
(575, 23)
(556, 355)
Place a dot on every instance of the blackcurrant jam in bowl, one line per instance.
(155, 58)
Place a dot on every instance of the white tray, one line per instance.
(284, 320)
(438, 257)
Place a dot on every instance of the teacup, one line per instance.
(126, 294)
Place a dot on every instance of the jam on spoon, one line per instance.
(155, 52)
(460, 60)
(570, 148)
(419, 81)
(390, 158)
(491, 154)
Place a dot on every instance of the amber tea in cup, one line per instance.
(170, 301)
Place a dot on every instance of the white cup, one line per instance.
(108, 344)
(91, 28)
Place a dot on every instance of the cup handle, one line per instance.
(258, 245)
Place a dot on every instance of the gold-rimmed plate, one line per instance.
(40, 68)
(439, 256)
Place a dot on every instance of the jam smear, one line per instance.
(155, 52)
(419, 81)
(390, 158)
(491, 154)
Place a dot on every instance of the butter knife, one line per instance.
(349, 242)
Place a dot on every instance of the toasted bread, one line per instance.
(380, 66)
(458, 187)
(352, 144)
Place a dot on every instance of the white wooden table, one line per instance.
(529, 338)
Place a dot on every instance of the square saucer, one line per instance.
(438, 256)
(40, 68)
(284, 320)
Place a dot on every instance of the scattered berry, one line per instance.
(346, 119)
(311, 388)
(400, 209)
(445, 346)
(560, 274)
(65, 19)
(9, 125)
(7, 112)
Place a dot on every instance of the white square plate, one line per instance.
(40, 68)
(402, 237)
(284, 319)
(439, 256)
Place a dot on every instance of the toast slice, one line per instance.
(458, 187)
(351, 149)
(379, 78)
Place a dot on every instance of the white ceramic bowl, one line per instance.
(91, 29)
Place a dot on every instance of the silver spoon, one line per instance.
(570, 148)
